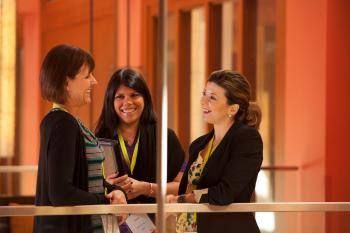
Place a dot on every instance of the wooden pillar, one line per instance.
(249, 49)
(213, 34)
(183, 75)
(338, 110)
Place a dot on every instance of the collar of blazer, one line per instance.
(201, 142)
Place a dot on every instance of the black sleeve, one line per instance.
(240, 172)
(176, 155)
(61, 162)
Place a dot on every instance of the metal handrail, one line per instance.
(175, 208)
(280, 168)
(18, 168)
(34, 168)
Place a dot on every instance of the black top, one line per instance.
(146, 163)
(62, 174)
(230, 176)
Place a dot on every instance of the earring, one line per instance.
(229, 115)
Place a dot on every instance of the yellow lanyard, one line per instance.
(208, 153)
(125, 153)
(59, 106)
(104, 176)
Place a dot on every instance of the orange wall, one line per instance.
(122, 33)
(129, 27)
(305, 93)
(111, 45)
(105, 49)
(66, 22)
(29, 92)
(135, 33)
(315, 97)
(303, 109)
(338, 111)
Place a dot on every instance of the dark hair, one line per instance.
(237, 91)
(254, 115)
(62, 62)
(109, 120)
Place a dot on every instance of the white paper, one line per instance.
(140, 223)
(110, 223)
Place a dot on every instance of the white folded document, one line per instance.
(110, 223)
(140, 223)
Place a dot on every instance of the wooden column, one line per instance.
(183, 75)
(249, 43)
(213, 36)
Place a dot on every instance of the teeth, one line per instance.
(128, 110)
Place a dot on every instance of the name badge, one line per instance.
(140, 223)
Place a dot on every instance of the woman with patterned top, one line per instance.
(223, 164)
(71, 159)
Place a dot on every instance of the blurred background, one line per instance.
(295, 54)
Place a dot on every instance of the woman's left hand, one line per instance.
(171, 198)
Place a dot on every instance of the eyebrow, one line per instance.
(132, 93)
(209, 92)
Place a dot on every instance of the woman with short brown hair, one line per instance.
(70, 170)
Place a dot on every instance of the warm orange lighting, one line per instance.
(197, 71)
(7, 76)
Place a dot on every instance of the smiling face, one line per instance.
(129, 105)
(214, 104)
(79, 88)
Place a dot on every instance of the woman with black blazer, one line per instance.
(223, 164)
(70, 170)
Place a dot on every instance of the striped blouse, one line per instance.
(95, 158)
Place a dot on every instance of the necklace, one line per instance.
(59, 106)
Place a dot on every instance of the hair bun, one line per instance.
(254, 115)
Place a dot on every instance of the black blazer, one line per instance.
(63, 175)
(230, 176)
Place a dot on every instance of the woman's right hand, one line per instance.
(118, 197)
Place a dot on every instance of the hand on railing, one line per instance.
(171, 198)
(118, 197)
